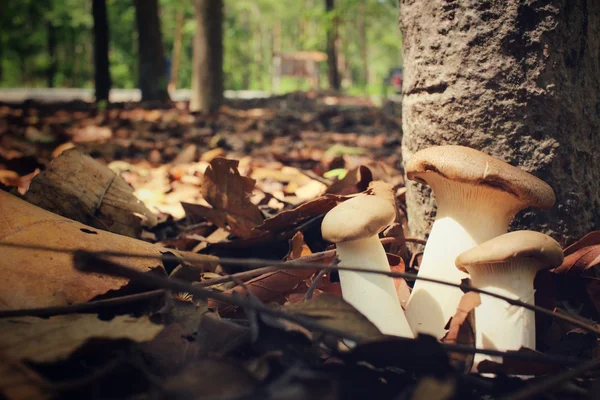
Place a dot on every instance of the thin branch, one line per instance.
(94, 306)
(315, 283)
(83, 262)
(88, 262)
(302, 263)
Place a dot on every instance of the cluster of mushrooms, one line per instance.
(477, 196)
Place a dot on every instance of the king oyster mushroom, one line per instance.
(477, 196)
(507, 265)
(354, 227)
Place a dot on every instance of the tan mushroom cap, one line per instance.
(464, 164)
(358, 218)
(512, 246)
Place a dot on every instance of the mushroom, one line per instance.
(354, 227)
(477, 196)
(507, 265)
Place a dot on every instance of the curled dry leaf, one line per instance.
(461, 328)
(402, 288)
(270, 287)
(334, 312)
(356, 180)
(290, 218)
(581, 267)
(32, 278)
(78, 187)
(227, 192)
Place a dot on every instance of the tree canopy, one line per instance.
(368, 45)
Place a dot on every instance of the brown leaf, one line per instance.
(512, 366)
(19, 382)
(269, 287)
(334, 312)
(355, 181)
(298, 248)
(33, 278)
(210, 378)
(402, 288)
(429, 388)
(227, 192)
(581, 266)
(287, 219)
(55, 338)
(461, 327)
(80, 188)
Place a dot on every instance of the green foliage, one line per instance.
(249, 41)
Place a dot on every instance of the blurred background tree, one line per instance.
(51, 42)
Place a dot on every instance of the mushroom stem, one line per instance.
(467, 215)
(372, 295)
(501, 326)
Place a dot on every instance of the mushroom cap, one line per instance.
(513, 246)
(464, 164)
(357, 218)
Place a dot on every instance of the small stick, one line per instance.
(302, 263)
(82, 261)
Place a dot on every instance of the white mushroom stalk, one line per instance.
(507, 265)
(477, 197)
(466, 216)
(354, 226)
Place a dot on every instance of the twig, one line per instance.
(83, 260)
(315, 283)
(101, 304)
(536, 388)
(302, 263)
(88, 262)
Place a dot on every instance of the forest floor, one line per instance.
(252, 181)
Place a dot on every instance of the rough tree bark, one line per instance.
(207, 75)
(151, 54)
(332, 63)
(518, 80)
(102, 81)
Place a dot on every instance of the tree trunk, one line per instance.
(176, 50)
(151, 56)
(364, 51)
(207, 74)
(51, 41)
(518, 80)
(332, 33)
(102, 81)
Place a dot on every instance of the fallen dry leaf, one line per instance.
(55, 338)
(581, 267)
(227, 192)
(269, 287)
(461, 329)
(512, 366)
(19, 382)
(430, 388)
(32, 278)
(290, 218)
(298, 247)
(334, 312)
(356, 180)
(78, 187)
